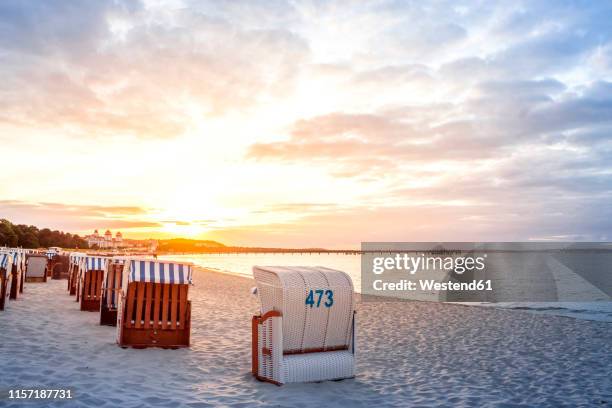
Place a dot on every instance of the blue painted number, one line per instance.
(310, 298)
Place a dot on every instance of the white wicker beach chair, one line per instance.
(305, 332)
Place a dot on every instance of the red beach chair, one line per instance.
(24, 255)
(6, 278)
(73, 271)
(16, 273)
(154, 309)
(91, 283)
(111, 287)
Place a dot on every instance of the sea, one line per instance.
(242, 264)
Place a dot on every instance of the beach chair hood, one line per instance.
(316, 304)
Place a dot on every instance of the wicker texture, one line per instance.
(308, 342)
(312, 367)
(285, 289)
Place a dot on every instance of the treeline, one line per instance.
(29, 236)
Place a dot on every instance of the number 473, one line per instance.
(310, 298)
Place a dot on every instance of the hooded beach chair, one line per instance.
(111, 287)
(6, 278)
(36, 267)
(90, 288)
(60, 265)
(305, 331)
(24, 257)
(154, 308)
(51, 261)
(24, 254)
(17, 274)
(74, 262)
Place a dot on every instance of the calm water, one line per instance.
(242, 264)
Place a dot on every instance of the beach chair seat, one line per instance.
(314, 367)
(111, 287)
(6, 279)
(154, 308)
(305, 331)
(91, 283)
(36, 267)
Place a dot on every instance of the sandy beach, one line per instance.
(408, 354)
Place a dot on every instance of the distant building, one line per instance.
(106, 241)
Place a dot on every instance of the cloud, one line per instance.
(524, 150)
(72, 218)
(124, 69)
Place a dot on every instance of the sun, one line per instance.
(184, 229)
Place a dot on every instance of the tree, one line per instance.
(8, 237)
(31, 237)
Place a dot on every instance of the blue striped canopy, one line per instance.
(160, 272)
(15, 254)
(111, 284)
(96, 263)
(16, 257)
(76, 257)
(5, 258)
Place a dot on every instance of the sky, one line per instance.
(308, 124)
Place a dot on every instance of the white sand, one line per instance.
(409, 354)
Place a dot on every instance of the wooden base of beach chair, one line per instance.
(15, 287)
(6, 278)
(2, 294)
(21, 284)
(36, 279)
(91, 292)
(108, 317)
(155, 315)
(72, 280)
(3, 288)
(90, 305)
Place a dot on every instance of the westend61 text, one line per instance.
(430, 284)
